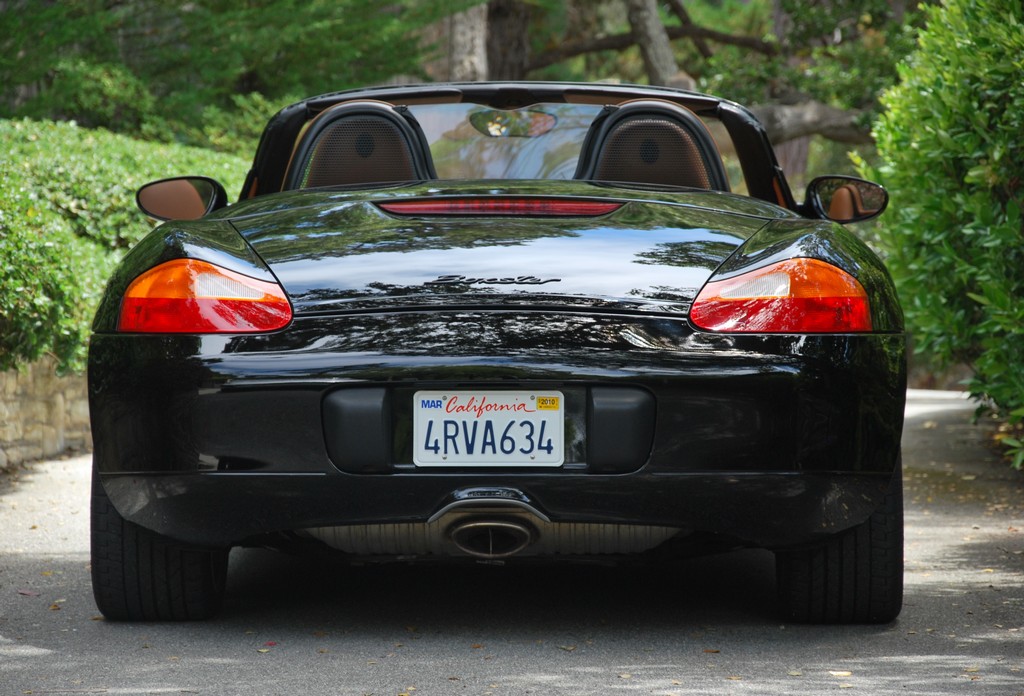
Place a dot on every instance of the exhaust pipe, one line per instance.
(491, 538)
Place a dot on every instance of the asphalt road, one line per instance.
(293, 626)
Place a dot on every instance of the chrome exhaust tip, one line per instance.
(491, 539)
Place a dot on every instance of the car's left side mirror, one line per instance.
(181, 198)
(845, 199)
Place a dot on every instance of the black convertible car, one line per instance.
(501, 321)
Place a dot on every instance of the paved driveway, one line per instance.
(293, 626)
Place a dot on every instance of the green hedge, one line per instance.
(953, 153)
(67, 213)
(95, 95)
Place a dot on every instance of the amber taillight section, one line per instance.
(190, 296)
(792, 296)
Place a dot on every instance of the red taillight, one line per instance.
(794, 296)
(189, 296)
(504, 205)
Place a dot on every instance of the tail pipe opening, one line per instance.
(491, 538)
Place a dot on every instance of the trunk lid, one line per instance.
(338, 253)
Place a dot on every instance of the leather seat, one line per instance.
(652, 142)
(363, 142)
(846, 204)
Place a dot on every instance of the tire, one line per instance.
(138, 575)
(855, 577)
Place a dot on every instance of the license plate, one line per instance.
(488, 428)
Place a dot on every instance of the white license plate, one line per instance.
(488, 428)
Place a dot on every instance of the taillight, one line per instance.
(793, 296)
(189, 296)
(501, 205)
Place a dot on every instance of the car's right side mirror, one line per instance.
(845, 199)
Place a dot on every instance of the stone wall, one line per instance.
(41, 414)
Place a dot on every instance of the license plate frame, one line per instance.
(488, 428)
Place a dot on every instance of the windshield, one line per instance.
(470, 141)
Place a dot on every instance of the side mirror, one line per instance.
(845, 199)
(181, 198)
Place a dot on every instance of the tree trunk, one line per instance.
(684, 18)
(792, 152)
(508, 43)
(650, 35)
(467, 49)
(620, 42)
(785, 122)
(793, 156)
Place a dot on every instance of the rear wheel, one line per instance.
(138, 575)
(856, 577)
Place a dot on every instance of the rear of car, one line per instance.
(498, 371)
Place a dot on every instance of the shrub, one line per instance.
(953, 159)
(67, 213)
(234, 130)
(42, 300)
(238, 129)
(96, 95)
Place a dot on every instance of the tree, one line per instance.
(811, 66)
(467, 40)
(819, 73)
(74, 58)
(508, 39)
(650, 35)
(952, 156)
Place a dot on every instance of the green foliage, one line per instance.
(742, 75)
(238, 128)
(845, 53)
(95, 95)
(41, 299)
(853, 74)
(841, 54)
(953, 158)
(235, 129)
(36, 34)
(67, 212)
(175, 70)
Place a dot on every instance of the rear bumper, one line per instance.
(772, 440)
(769, 510)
